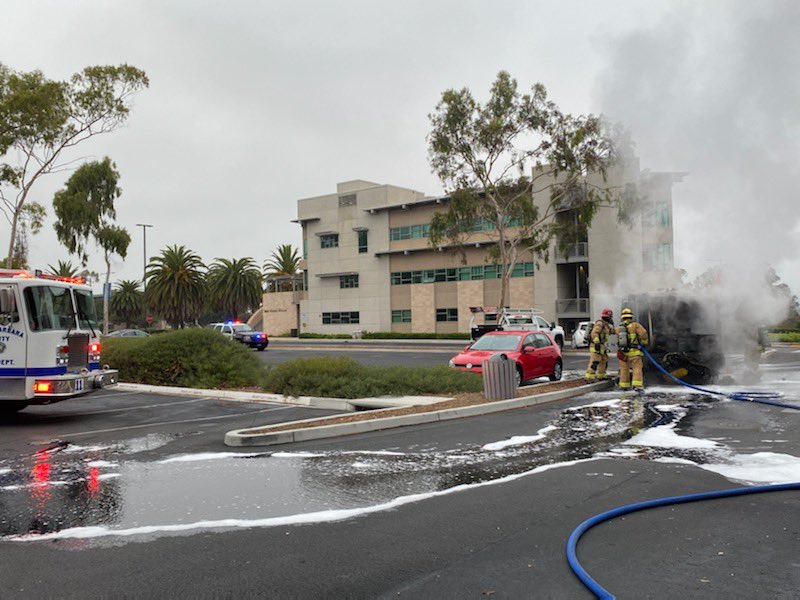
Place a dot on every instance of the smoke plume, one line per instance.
(713, 89)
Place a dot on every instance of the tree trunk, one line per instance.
(13, 238)
(105, 295)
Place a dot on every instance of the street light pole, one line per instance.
(144, 232)
(144, 227)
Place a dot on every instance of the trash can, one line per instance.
(499, 378)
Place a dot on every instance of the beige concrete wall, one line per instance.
(522, 292)
(470, 293)
(423, 313)
(279, 313)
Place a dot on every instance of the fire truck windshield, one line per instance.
(87, 315)
(49, 307)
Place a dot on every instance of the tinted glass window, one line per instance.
(542, 341)
(49, 308)
(241, 328)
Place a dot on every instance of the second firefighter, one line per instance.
(598, 357)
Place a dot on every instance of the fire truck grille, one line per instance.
(78, 351)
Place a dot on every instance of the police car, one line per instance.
(242, 332)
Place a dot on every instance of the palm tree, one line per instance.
(127, 300)
(283, 261)
(65, 268)
(175, 285)
(234, 285)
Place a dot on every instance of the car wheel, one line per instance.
(557, 371)
(518, 376)
(262, 348)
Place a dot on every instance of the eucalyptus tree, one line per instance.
(176, 285)
(127, 302)
(234, 285)
(42, 119)
(493, 158)
(85, 211)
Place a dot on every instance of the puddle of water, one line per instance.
(69, 487)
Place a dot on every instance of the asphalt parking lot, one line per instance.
(152, 504)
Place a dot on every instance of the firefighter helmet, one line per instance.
(607, 312)
(627, 313)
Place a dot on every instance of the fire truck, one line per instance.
(49, 340)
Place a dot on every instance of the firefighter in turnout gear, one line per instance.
(631, 337)
(598, 359)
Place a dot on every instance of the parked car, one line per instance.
(535, 353)
(128, 333)
(580, 337)
(512, 319)
(241, 332)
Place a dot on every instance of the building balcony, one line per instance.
(572, 307)
(578, 252)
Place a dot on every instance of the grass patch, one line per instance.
(187, 358)
(787, 336)
(342, 377)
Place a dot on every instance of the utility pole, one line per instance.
(144, 227)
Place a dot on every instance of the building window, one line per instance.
(305, 280)
(401, 316)
(362, 241)
(330, 240)
(476, 273)
(340, 318)
(348, 281)
(410, 232)
(657, 257)
(657, 215)
(305, 248)
(446, 314)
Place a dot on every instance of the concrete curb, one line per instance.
(327, 403)
(342, 404)
(252, 437)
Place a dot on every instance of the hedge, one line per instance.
(186, 357)
(342, 377)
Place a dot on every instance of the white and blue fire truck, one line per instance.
(49, 340)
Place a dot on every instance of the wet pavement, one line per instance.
(104, 490)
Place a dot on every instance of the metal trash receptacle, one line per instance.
(499, 378)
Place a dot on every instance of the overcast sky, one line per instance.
(253, 105)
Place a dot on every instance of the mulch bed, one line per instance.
(454, 402)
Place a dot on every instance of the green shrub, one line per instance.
(187, 358)
(787, 336)
(342, 377)
(386, 335)
(396, 335)
(325, 336)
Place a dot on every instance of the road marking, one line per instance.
(255, 412)
(124, 408)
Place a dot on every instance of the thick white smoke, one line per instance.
(713, 89)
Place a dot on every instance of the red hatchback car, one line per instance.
(535, 353)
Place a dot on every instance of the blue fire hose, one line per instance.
(572, 543)
(770, 398)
